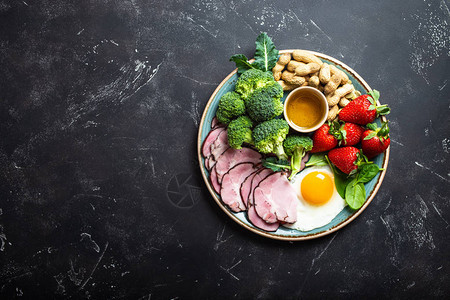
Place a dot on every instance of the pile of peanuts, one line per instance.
(306, 69)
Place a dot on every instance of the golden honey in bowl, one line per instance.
(305, 109)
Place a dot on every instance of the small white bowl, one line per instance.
(310, 91)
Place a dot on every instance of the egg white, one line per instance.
(314, 216)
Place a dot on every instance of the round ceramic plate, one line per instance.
(344, 217)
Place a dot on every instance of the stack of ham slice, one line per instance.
(245, 186)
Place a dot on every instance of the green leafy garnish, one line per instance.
(266, 54)
(367, 172)
(355, 194)
(381, 109)
(276, 165)
(241, 63)
(317, 159)
(341, 179)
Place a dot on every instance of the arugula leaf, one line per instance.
(266, 55)
(317, 160)
(241, 63)
(355, 194)
(367, 172)
(276, 165)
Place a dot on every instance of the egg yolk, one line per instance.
(317, 188)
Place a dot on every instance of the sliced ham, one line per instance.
(231, 185)
(213, 179)
(209, 140)
(218, 147)
(207, 164)
(232, 157)
(246, 186)
(275, 199)
(253, 217)
(255, 182)
(260, 223)
(215, 123)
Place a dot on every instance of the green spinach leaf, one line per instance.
(341, 179)
(355, 194)
(367, 172)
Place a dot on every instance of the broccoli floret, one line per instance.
(239, 131)
(230, 107)
(268, 137)
(296, 147)
(252, 79)
(265, 103)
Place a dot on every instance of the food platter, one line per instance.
(346, 216)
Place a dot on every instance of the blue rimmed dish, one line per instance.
(346, 216)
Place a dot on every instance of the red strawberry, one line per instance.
(345, 159)
(323, 140)
(364, 109)
(348, 134)
(375, 140)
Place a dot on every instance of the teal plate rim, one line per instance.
(346, 216)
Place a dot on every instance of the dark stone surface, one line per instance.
(99, 109)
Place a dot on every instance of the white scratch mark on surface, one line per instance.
(314, 261)
(25, 3)
(79, 32)
(443, 6)
(241, 18)
(398, 143)
(95, 267)
(429, 40)
(3, 240)
(445, 143)
(418, 232)
(153, 165)
(154, 72)
(320, 29)
(386, 224)
(113, 42)
(197, 81)
(139, 65)
(443, 86)
(202, 27)
(389, 203)
(432, 172)
(219, 239)
(87, 236)
(411, 285)
(439, 213)
(194, 113)
(230, 268)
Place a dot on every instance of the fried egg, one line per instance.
(319, 201)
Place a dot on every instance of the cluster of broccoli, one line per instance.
(296, 147)
(255, 101)
(250, 113)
